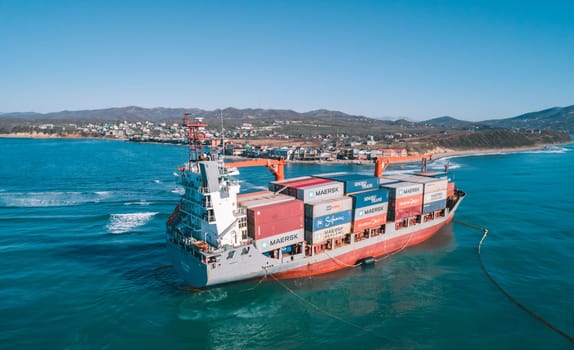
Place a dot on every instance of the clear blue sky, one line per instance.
(472, 60)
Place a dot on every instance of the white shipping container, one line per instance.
(327, 233)
(434, 196)
(372, 210)
(403, 189)
(322, 191)
(279, 241)
(430, 184)
(328, 206)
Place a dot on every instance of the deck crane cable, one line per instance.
(506, 293)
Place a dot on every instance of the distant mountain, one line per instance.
(449, 122)
(556, 118)
(134, 113)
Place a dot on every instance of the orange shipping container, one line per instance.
(450, 190)
(370, 222)
(406, 202)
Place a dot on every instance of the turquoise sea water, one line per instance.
(82, 231)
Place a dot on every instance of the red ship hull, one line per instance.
(375, 250)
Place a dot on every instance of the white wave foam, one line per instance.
(141, 202)
(440, 163)
(254, 310)
(178, 190)
(550, 150)
(49, 199)
(121, 223)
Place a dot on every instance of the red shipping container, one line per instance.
(450, 190)
(275, 227)
(298, 182)
(292, 187)
(404, 213)
(371, 222)
(406, 202)
(277, 185)
(316, 181)
(276, 211)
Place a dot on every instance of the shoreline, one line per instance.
(435, 156)
(436, 153)
(490, 151)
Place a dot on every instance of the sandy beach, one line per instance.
(445, 153)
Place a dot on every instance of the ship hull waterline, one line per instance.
(254, 265)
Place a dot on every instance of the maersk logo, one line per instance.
(327, 191)
(284, 239)
(374, 210)
(410, 190)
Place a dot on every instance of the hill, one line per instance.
(556, 118)
(315, 126)
(450, 122)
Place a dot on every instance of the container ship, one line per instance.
(299, 227)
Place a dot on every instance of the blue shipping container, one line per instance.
(355, 182)
(434, 206)
(368, 198)
(327, 221)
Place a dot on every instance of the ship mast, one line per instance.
(195, 136)
(222, 135)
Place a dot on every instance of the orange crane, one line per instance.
(276, 166)
(381, 163)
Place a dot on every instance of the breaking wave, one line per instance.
(551, 149)
(438, 165)
(121, 223)
(50, 199)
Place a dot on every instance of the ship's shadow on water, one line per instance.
(140, 263)
(134, 262)
(444, 239)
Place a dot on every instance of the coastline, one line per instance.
(437, 153)
(448, 153)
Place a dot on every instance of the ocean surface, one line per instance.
(82, 230)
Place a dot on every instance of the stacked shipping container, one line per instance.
(315, 208)
(273, 220)
(405, 199)
(354, 182)
(369, 209)
(328, 218)
(435, 191)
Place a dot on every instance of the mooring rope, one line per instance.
(384, 257)
(258, 283)
(342, 263)
(507, 294)
(325, 312)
